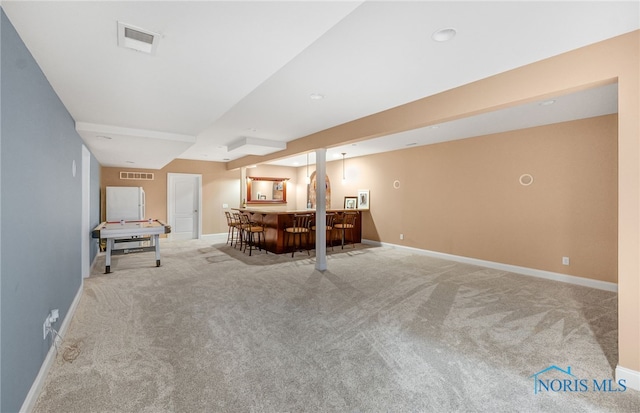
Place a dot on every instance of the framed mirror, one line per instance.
(262, 190)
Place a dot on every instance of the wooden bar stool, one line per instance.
(250, 230)
(234, 228)
(348, 222)
(238, 220)
(301, 226)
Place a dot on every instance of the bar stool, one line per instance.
(301, 225)
(234, 228)
(330, 219)
(238, 220)
(250, 230)
(348, 223)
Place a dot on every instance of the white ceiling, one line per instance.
(598, 101)
(224, 71)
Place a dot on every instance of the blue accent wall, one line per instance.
(40, 219)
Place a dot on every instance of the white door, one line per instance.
(184, 205)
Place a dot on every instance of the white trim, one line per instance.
(85, 226)
(139, 133)
(554, 276)
(631, 377)
(321, 210)
(38, 383)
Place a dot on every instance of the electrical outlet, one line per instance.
(565, 260)
(55, 314)
(51, 318)
(46, 326)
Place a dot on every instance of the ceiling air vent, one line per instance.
(138, 39)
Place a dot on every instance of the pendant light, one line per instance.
(308, 180)
(344, 178)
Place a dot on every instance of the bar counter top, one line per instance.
(288, 211)
(275, 222)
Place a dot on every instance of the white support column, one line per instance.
(243, 186)
(321, 210)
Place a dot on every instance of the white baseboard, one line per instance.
(631, 377)
(219, 238)
(38, 383)
(571, 279)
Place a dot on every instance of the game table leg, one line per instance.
(156, 240)
(107, 269)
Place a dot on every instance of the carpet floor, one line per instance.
(382, 330)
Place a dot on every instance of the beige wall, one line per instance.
(464, 197)
(219, 186)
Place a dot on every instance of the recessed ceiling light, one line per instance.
(316, 96)
(226, 159)
(104, 137)
(129, 162)
(411, 144)
(547, 102)
(435, 127)
(444, 35)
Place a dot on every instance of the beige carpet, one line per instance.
(383, 330)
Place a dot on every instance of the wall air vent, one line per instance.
(139, 176)
(138, 39)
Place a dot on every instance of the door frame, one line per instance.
(85, 226)
(171, 201)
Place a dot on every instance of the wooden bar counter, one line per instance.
(276, 221)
